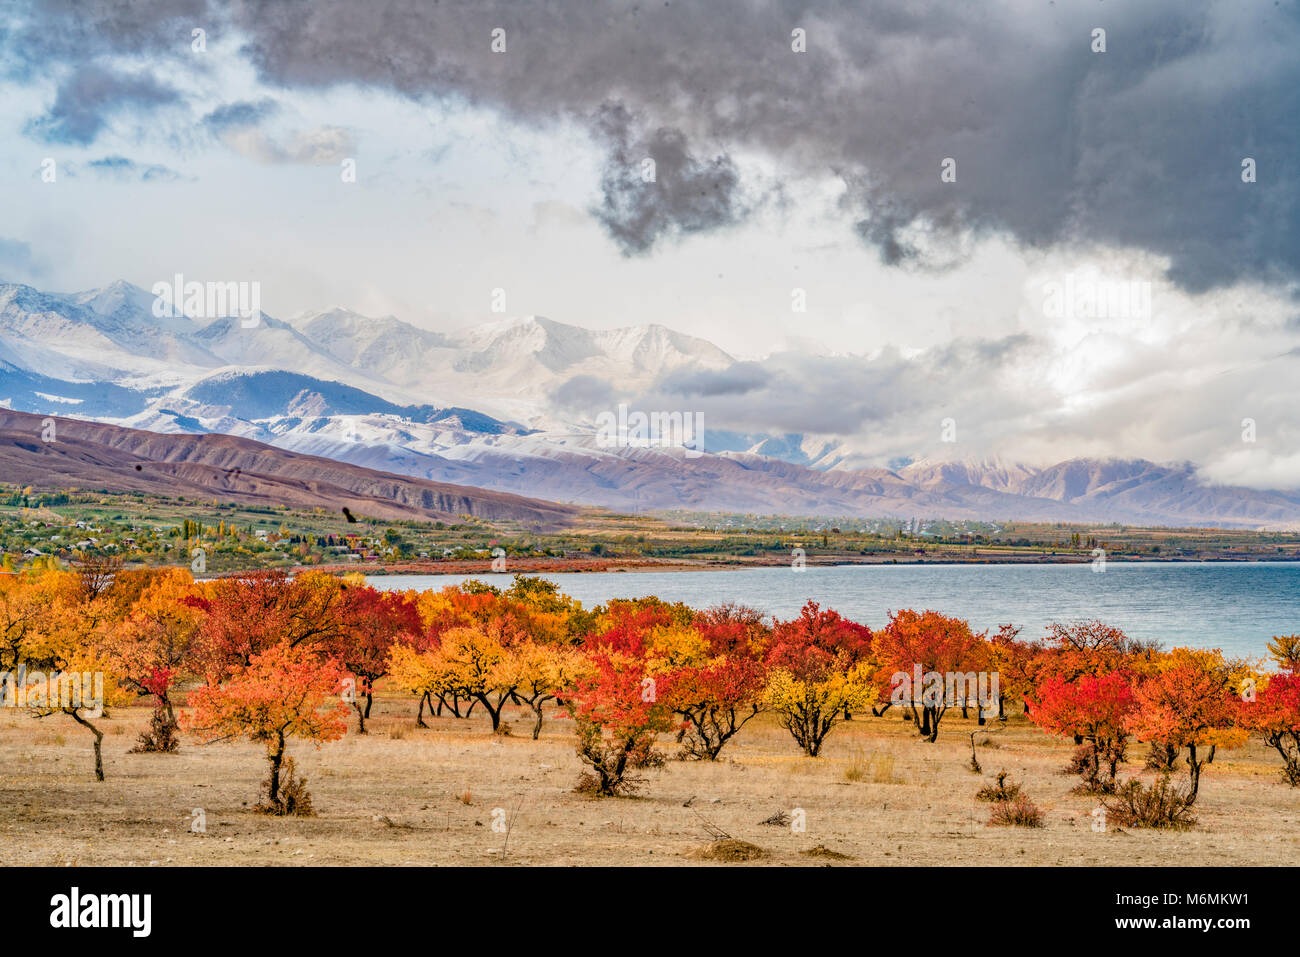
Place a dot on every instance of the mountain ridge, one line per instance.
(483, 406)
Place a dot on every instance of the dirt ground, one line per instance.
(403, 795)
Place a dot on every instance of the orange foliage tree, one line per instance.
(150, 642)
(284, 692)
(1191, 702)
(931, 644)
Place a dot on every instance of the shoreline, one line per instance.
(462, 567)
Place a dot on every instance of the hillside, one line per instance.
(92, 455)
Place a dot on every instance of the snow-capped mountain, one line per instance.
(512, 406)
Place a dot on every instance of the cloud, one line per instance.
(237, 125)
(1138, 146)
(239, 115)
(90, 96)
(16, 259)
(124, 168)
(583, 392)
(654, 188)
(319, 146)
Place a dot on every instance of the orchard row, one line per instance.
(271, 658)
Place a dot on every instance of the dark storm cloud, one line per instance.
(1141, 145)
(653, 187)
(92, 94)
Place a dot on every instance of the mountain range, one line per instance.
(511, 406)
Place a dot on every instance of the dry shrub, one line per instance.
(294, 800)
(611, 763)
(858, 767)
(821, 850)
(1019, 812)
(1097, 767)
(729, 850)
(1004, 790)
(1161, 805)
(161, 738)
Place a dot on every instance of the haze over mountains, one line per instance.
(512, 406)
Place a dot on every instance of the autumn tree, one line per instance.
(1191, 702)
(940, 650)
(819, 673)
(538, 673)
(149, 644)
(618, 711)
(61, 670)
(620, 700)
(369, 622)
(283, 692)
(1095, 708)
(718, 688)
(1274, 712)
(472, 662)
(414, 668)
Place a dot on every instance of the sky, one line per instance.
(885, 210)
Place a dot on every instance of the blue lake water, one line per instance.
(1234, 606)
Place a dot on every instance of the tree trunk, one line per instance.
(493, 713)
(419, 717)
(537, 725)
(99, 742)
(275, 757)
(370, 700)
(1194, 767)
(361, 715)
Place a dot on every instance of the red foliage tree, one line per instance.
(369, 622)
(618, 708)
(934, 644)
(1096, 709)
(253, 612)
(718, 694)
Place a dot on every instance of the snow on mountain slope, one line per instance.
(509, 368)
(480, 406)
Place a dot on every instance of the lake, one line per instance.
(1234, 606)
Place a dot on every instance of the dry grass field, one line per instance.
(402, 795)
